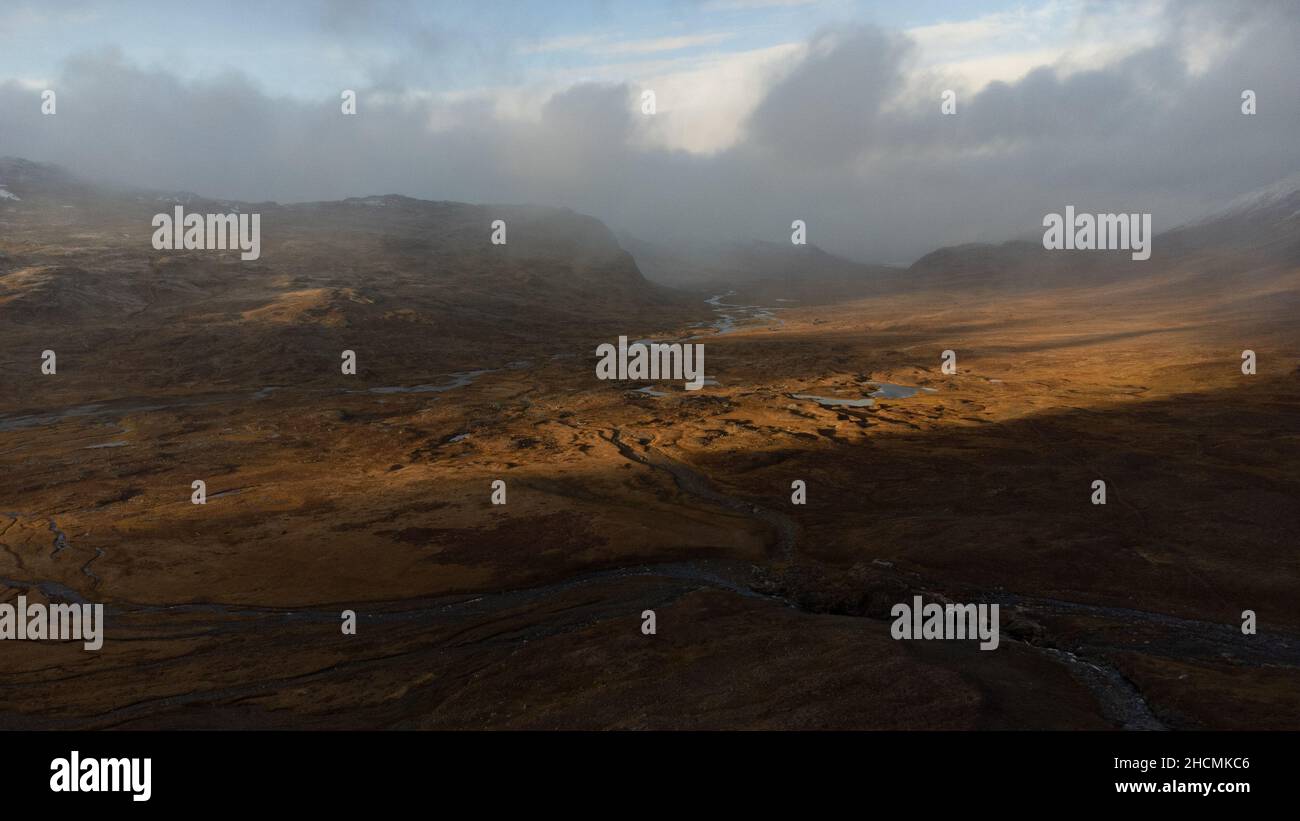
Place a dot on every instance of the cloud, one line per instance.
(749, 5)
(22, 17)
(660, 44)
(803, 120)
(605, 46)
(570, 42)
(842, 131)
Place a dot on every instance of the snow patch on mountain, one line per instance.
(1285, 192)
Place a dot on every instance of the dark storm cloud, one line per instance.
(826, 110)
(876, 176)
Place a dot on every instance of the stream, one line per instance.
(1119, 699)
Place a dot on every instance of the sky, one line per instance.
(766, 111)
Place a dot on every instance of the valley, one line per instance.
(371, 492)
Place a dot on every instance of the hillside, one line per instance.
(413, 286)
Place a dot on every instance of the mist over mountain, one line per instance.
(606, 273)
(841, 129)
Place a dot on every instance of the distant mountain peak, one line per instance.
(1283, 194)
(20, 171)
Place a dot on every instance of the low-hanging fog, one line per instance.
(842, 130)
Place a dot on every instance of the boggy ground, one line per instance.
(326, 496)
